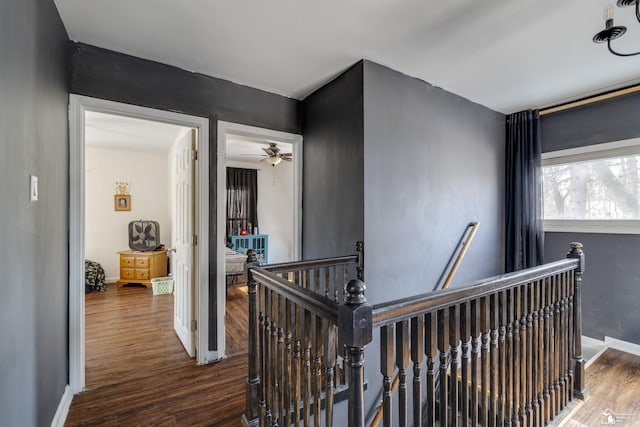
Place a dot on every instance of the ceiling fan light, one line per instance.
(273, 160)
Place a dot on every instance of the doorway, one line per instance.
(287, 235)
(80, 106)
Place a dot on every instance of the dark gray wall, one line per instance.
(333, 196)
(33, 258)
(117, 77)
(433, 162)
(611, 120)
(611, 301)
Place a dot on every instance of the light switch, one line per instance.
(33, 188)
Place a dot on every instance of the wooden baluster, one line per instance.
(263, 368)
(528, 293)
(297, 366)
(386, 368)
(267, 357)
(563, 339)
(571, 327)
(431, 351)
(475, 355)
(548, 338)
(556, 346)
(443, 346)
(502, 380)
(318, 350)
(509, 358)
(337, 284)
(541, 352)
(493, 359)
(484, 370)
(516, 357)
(328, 289)
(330, 351)
(523, 355)
(402, 362)
(535, 366)
(275, 364)
(317, 282)
(417, 354)
(578, 361)
(281, 360)
(286, 407)
(306, 389)
(466, 349)
(454, 342)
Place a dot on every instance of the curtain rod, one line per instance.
(590, 100)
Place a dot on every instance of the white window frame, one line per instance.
(592, 152)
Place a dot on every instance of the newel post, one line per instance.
(355, 332)
(252, 411)
(579, 363)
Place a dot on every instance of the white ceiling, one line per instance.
(125, 133)
(507, 55)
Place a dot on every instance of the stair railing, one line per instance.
(507, 350)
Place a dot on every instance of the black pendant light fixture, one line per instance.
(612, 32)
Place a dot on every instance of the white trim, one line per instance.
(78, 105)
(63, 408)
(229, 128)
(593, 343)
(625, 346)
(600, 226)
(591, 152)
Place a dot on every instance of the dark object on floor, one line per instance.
(93, 277)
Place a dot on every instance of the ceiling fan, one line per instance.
(273, 155)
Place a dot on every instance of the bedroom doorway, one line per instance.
(259, 207)
(191, 131)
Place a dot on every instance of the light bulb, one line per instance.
(608, 12)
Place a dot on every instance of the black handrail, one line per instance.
(317, 304)
(393, 311)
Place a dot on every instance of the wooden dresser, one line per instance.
(141, 267)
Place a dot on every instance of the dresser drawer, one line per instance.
(127, 273)
(142, 262)
(142, 274)
(127, 262)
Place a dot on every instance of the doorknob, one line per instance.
(172, 249)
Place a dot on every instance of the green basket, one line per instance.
(162, 285)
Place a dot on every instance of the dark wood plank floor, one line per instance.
(138, 374)
(613, 384)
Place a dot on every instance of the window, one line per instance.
(593, 189)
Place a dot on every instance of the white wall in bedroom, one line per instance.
(275, 206)
(105, 229)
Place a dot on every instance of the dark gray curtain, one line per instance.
(242, 199)
(524, 246)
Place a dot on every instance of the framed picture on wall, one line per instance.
(122, 202)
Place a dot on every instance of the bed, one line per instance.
(234, 263)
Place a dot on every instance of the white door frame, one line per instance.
(78, 105)
(229, 128)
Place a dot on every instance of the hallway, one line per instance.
(138, 373)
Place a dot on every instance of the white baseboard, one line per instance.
(591, 342)
(63, 408)
(625, 346)
(110, 280)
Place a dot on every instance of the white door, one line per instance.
(182, 241)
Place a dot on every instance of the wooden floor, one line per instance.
(613, 384)
(138, 374)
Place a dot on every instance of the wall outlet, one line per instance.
(33, 188)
